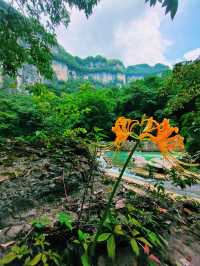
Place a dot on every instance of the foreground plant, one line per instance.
(166, 138)
(124, 226)
(40, 246)
(38, 254)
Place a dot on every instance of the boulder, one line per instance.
(102, 163)
(140, 161)
(160, 163)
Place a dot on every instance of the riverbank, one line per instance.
(147, 169)
(140, 186)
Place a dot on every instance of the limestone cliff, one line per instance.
(61, 70)
(96, 69)
(99, 69)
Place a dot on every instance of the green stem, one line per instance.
(105, 214)
(89, 178)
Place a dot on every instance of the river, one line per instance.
(119, 157)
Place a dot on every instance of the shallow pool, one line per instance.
(119, 157)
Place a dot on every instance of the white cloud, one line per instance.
(192, 55)
(128, 31)
(141, 40)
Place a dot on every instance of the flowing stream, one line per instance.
(118, 158)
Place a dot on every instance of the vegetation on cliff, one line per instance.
(99, 64)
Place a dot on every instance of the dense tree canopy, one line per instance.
(183, 93)
(23, 39)
(55, 11)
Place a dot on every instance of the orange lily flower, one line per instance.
(123, 129)
(167, 140)
(150, 125)
(162, 134)
(163, 137)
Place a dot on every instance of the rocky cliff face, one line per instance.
(28, 75)
(99, 69)
(106, 77)
(116, 77)
(61, 71)
(96, 69)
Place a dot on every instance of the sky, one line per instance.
(133, 32)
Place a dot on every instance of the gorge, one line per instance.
(97, 69)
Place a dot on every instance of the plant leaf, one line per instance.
(35, 260)
(8, 258)
(65, 219)
(118, 230)
(171, 6)
(135, 247)
(130, 207)
(163, 240)
(81, 235)
(85, 260)
(154, 239)
(111, 247)
(103, 237)
(134, 221)
(143, 240)
(44, 258)
(135, 232)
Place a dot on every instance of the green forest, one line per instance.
(66, 197)
(45, 113)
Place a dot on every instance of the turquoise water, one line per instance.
(119, 157)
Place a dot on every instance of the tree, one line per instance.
(183, 87)
(23, 39)
(55, 11)
(141, 97)
(100, 104)
(183, 92)
(170, 5)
